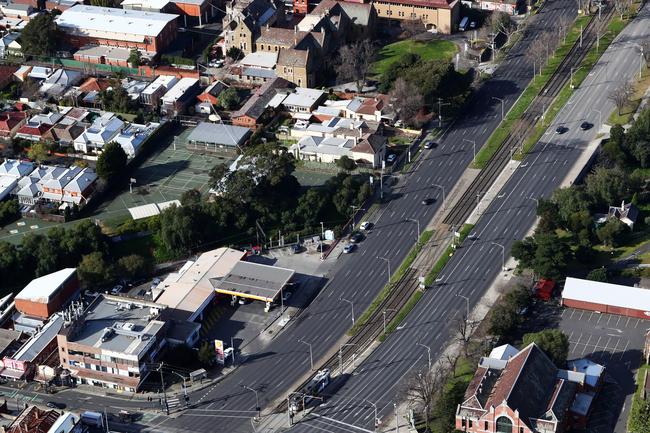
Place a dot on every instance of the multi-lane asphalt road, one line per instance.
(471, 271)
(360, 276)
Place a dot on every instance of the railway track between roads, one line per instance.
(515, 139)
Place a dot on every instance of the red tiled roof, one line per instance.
(34, 130)
(440, 4)
(10, 119)
(94, 84)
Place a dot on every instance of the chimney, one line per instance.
(267, 26)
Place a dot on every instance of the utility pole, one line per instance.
(257, 400)
(376, 417)
(417, 238)
(162, 384)
(440, 104)
(581, 36)
(322, 238)
(396, 418)
(384, 313)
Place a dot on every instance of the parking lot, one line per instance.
(615, 342)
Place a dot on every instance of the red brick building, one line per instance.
(46, 295)
(523, 392)
(606, 298)
(151, 32)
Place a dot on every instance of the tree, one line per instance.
(217, 174)
(39, 152)
(206, 355)
(622, 6)
(413, 27)
(610, 232)
(191, 197)
(134, 266)
(553, 342)
(40, 36)
(551, 256)
(503, 320)
(599, 274)
(228, 99)
(536, 54)
(116, 98)
(621, 95)
(135, 58)
(111, 163)
(94, 270)
(524, 252)
(606, 186)
(424, 388)
(406, 99)
(9, 211)
(179, 230)
(563, 24)
(355, 61)
(501, 22)
(346, 163)
(235, 53)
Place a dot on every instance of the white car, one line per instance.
(117, 289)
(365, 225)
(391, 158)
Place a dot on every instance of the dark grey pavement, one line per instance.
(473, 268)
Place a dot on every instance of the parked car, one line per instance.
(365, 225)
(55, 405)
(472, 25)
(117, 289)
(349, 248)
(356, 238)
(429, 145)
(391, 158)
(295, 248)
(586, 125)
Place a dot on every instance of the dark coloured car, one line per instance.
(427, 201)
(295, 248)
(429, 145)
(55, 405)
(356, 238)
(585, 126)
(561, 129)
(349, 248)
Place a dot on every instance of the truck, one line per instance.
(94, 419)
(313, 389)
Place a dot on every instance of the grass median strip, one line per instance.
(425, 237)
(500, 134)
(403, 312)
(615, 26)
(444, 258)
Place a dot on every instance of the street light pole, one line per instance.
(428, 352)
(376, 417)
(162, 384)
(396, 418)
(322, 238)
(311, 354)
(351, 306)
(384, 313)
(474, 144)
(417, 239)
(341, 355)
(444, 202)
(257, 400)
(503, 252)
(502, 106)
(388, 263)
(466, 304)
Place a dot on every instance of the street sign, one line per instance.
(132, 180)
(218, 348)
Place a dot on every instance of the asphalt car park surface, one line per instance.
(615, 342)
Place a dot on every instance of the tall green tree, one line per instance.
(229, 99)
(135, 58)
(610, 233)
(206, 355)
(111, 163)
(553, 342)
(40, 36)
(94, 270)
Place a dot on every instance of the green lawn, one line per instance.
(640, 86)
(430, 50)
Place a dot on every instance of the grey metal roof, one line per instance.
(220, 134)
(254, 280)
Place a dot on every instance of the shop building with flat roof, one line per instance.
(112, 342)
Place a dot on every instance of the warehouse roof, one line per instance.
(217, 133)
(40, 289)
(253, 280)
(614, 295)
(81, 18)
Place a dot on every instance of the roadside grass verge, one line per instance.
(403, 312)
(636, 418)
(425, 237)
(500, 134)
(446, 255)
(640, 86)
(615, 26)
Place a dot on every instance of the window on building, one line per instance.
(485, 425)
(521, 430)
(504, 425)
(63, 349)
(470, 423)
